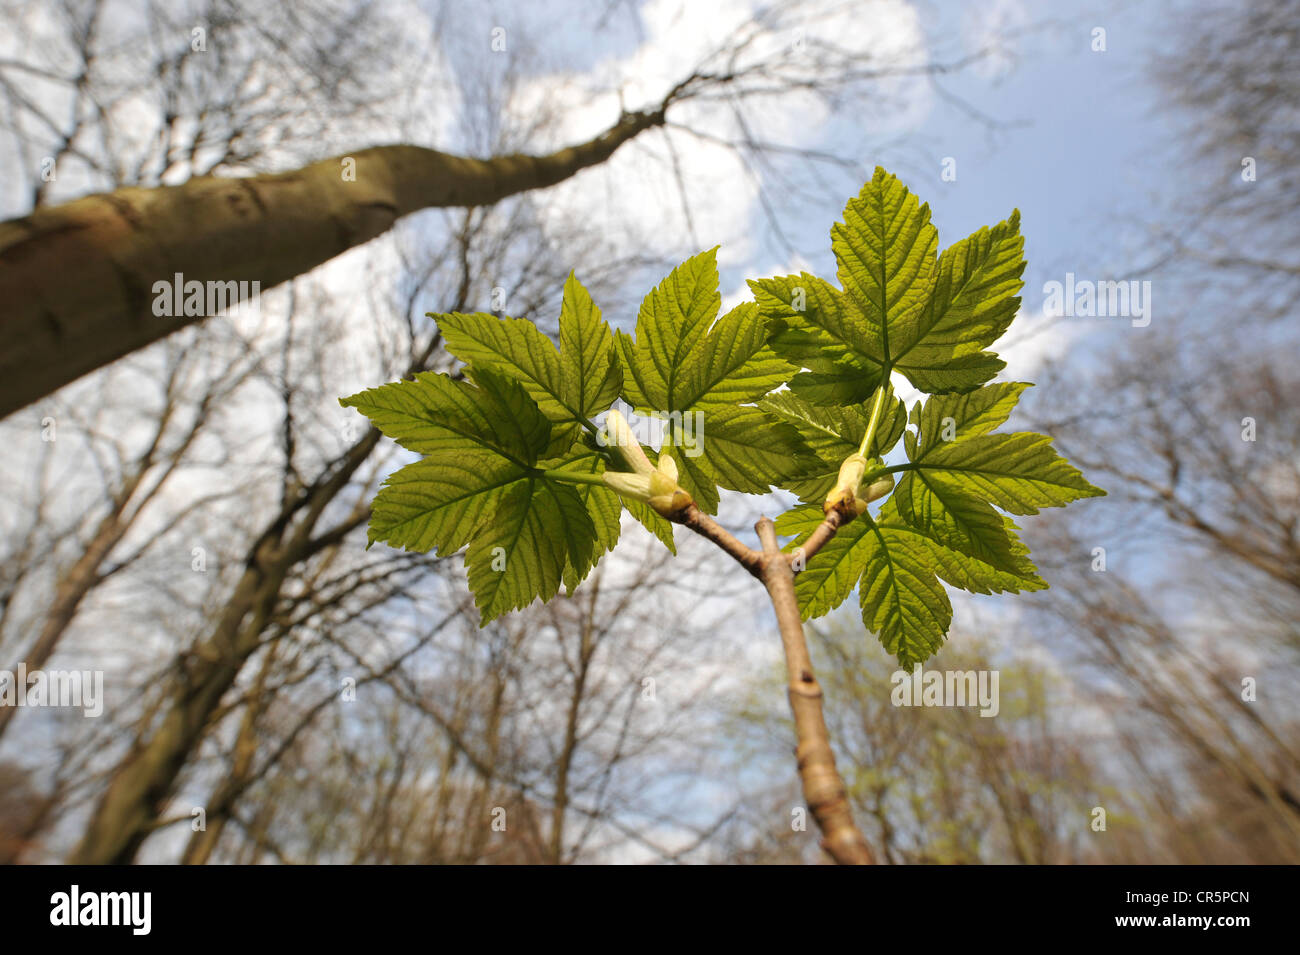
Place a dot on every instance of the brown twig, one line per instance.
(706, 526)
(823, 788)
(818, 539)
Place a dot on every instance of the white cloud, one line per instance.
(1035, 338)
(638, 193)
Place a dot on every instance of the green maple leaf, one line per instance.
(901, 307)
(945, 509)
(571, 385)
(897, 570)
(687, 367)
(1018, 472)
(539, 528)
(602, 505)
(433, 414)
(941, 522)
(479, 485)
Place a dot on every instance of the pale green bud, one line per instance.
(657, 486)
(850, 493)
(624, 441)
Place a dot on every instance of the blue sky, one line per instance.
(1081, 150)
(1075, 139)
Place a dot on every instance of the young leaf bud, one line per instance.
(658, 487)
(624, 441)
(843, 497)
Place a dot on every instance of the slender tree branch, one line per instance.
(706, 526)
(823, 788)
(824, 532)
